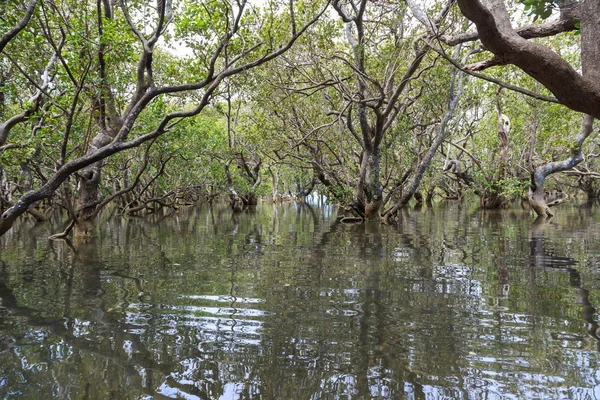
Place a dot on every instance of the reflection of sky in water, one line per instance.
(225, 299)
(311, 309)
(235, 323)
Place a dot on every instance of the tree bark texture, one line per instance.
(536, 189)
(411, 187)
(590, 60)
(580, 93)
(370, 189)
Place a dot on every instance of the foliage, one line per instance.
(291, 117)
(540, 8)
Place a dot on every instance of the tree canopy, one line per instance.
(148, 105)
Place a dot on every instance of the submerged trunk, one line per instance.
(413, 185)
(234, 198)
(536, 189)
(494, 198)
(430, 194)
(304, 190)
(88, 194)
(250, 200)
(89, 188)
(275, 180)
(109, 124)
(537, 200)
(588, 186)
(369, 197)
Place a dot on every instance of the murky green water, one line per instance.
(287, 303)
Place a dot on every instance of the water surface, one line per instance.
(288, 303)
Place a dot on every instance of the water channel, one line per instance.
(286, 302)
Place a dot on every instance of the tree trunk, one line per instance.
(3, 189)
(413, 185)
(369, 197)
(430, 194)
(536, 189)
(590, 60)
(494, 198)
(109, 124)
(235, 200)
(250, 200)
(304, 190)
(275, 179)
(88, 195)
(538, 202)
(587, 185)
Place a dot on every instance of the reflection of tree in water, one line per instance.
(542, 256)
(361, 335)
(297, 307)
(64, 341)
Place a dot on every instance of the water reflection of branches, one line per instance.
(233, 301)
(65, 331)
(542, 256)
(165, 261)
